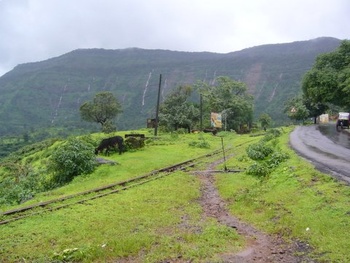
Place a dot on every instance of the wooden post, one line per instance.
(157, 110)
(201, 112)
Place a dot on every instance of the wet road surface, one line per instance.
(325, 147)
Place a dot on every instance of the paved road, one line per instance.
(327, 153)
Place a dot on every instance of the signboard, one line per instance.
(215, 120)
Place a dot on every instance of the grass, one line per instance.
(165, 150)
(151, 223)
(295, 201)
(157, 221)
(163, 220)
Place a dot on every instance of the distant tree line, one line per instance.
(226, 96)
(179, 110)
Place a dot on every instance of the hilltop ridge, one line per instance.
(48, 93)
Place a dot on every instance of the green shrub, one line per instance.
(276, 158)
(201, 143)
(258, 169)
(71, 159)
(16, 190)
(259, 151)
(134, 143)
(271, 134)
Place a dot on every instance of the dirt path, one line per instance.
(260, 246)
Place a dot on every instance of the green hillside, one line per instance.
(48, 93)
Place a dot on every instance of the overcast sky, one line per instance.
(35, 30)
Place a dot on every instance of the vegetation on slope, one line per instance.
(49, 93)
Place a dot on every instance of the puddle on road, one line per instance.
(339, 137)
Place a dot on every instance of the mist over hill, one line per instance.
(49, 93)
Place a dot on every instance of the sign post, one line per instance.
(157, 111)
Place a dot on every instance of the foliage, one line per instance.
(20, 180)
(259, 151)
(277, 158)
(271, 134)
(200, 143)
(329, 79)
(108, 127)
(265, 120)
(177, 111)
(73, 158)
(258, 169)
(134, 143)
(17, 191)
(230, 98)
(315, 108)
(266, 154)
(296, 109)
(103, 109)
(15, 146)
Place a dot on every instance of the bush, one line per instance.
(258, 169)
(201, 143)
(271, 134)
(73, 158)
(259, 151)
(276, 158)
(134, 143)
(18, 190)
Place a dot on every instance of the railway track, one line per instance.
(82, 197)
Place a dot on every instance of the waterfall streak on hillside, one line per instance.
(164, 88)
(146, 87)
(214, 78)
(58, 104)
(273, 93)
(259, 90)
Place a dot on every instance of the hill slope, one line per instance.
(49, 93)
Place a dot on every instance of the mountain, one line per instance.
(49, 93)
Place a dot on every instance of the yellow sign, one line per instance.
(215, 120)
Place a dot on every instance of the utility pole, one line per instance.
(157, 110)
(201, 112)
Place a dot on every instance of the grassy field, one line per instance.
(295, 201)
(163, 220)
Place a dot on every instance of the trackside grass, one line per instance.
(150, 223)
(295, 201)
(163, 220)
(162, 151)
(157, 221)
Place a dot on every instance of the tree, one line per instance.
(177, 111)
(329, 79)
(103, 109)
(230, 97)
(315, 109)
(265, 120)
(296, 109)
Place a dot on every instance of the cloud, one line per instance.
(34, 30)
